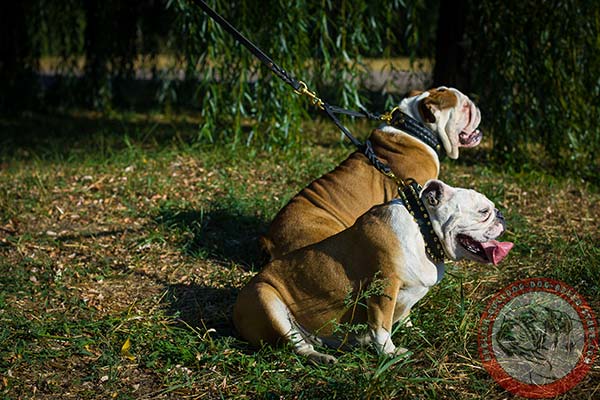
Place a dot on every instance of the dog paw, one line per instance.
(322, 359)
(399, 351)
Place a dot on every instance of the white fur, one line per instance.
(410, 106)
(416, 268)
(449, 122)
(382, 340)
(298, 337)
(459, 213)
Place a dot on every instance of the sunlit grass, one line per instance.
(127, 229)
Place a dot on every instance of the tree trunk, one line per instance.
(18, 60)
(450, 68)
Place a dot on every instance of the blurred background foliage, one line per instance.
(533, 67)
(536, 66)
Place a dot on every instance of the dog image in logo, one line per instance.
(534, 331)
(538, 338)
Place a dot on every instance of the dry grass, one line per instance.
(129, 235)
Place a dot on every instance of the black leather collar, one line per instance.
(416, 129)
(409, 197)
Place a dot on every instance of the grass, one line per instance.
(121, 230)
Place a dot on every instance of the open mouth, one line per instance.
(492, 251)
(470, 136)
(472, 139)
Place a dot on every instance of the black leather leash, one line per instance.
(276, 69)
(408, 192)
(395, 117)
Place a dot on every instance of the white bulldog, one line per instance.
(449, 113)
(334, 201)
(306, 296)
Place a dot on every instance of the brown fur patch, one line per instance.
(334, 201)
(440, 99)
(414, 93)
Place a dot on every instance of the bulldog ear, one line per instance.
(414, 93)
(427, 110)
(433, 192)
(438, 99)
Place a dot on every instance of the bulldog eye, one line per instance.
(484, 211)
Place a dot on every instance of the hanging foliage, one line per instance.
(537, 69)
(320, 42)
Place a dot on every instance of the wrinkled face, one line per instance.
(466, 222)
(453, 116)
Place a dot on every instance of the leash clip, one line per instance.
(399, 181)
(303, 91)
(387, 117)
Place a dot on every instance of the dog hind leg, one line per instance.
(261, 316)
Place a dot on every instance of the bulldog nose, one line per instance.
(501, 218)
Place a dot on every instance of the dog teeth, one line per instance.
(473, 249)
(469, 245)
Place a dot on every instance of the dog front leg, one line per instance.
(380, 310)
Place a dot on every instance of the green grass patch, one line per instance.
(123, 230)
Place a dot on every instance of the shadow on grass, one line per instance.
(85, 133)
(203, 307)
(220, 234)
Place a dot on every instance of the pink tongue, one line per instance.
(496, 250)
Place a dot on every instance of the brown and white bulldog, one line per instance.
(332, 202)
(371, 273)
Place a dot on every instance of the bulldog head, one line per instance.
(466, 222)
(449, 113)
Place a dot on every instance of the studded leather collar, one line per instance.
(409, 196)
(416, 129)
